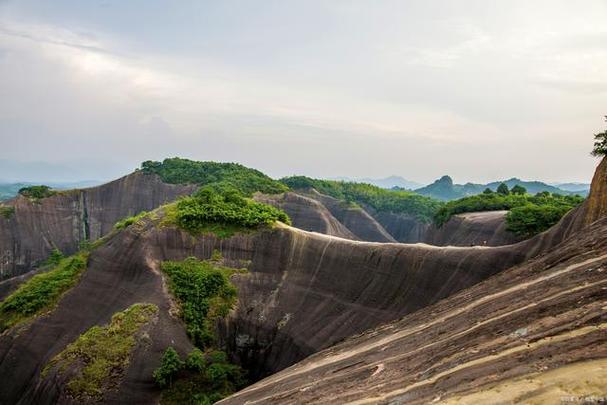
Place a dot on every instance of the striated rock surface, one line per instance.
(535, 333)
(474, 228)
(68, 218)
(596, 204)
(307, 213)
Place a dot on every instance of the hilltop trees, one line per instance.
(503, 189)
(519, 190)
(600, 143)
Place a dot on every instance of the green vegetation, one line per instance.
(184, 171)
(42, 292)
(170, 366)
(503, 189)
(382, 200)
(7, 211)
(223, 210)
(36, 193)
(201, 379)
(126, 222)
(204, 293)
(600, 143)
(529, 214)
(54, 258)
(101, 354)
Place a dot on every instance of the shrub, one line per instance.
(196, 361)
(184, 171)
(36, 193)
(41, 292)
(224, 211)
(382, 200)
(170, 366)
(54, 258)
(529, 220)
(102, 353)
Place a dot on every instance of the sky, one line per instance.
(480, 90)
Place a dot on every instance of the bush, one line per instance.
(170, 366)
(210, 380)
(382, 200)
(224, 210)
(54, 258)
(184, 171)
(37, 192)
(530, 220)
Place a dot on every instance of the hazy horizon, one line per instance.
(476, 90)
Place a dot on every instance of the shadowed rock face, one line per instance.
(474, 228)
(65, 220)
(536, 333)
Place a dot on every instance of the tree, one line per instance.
(503, 189)
(488, 191)
(518, 189)
(600, 143)
(171, 364)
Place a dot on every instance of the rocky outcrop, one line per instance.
(355, 218)
(534, 333)
(471, 229)
(596, 204)
(68, 218)
(307, 213)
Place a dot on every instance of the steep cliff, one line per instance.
(68, 218)
(535, 333)
(475, 228)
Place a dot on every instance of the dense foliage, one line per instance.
(382, 200)
(184, 171)
(37, 192)
(204, 293)
(41, 292)
(223, 210)
(102, 353)
(600, 144)
(529, 214)
(204, 378)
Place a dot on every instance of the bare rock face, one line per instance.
(596, 204)
(474, 228)
(68, 218)
(307, 214)
(355, 218)
(534, 333)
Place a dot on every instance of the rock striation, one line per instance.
(69, 218)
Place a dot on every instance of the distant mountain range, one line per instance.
(388, 182)
(9, 190)
(444, 188)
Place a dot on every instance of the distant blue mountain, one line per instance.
(387, 182)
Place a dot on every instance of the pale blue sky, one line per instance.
(479, 90)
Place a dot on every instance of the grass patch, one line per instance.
(7, 211)
(102, 353)
(224, 211)
(42, 292)
(126, 222)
